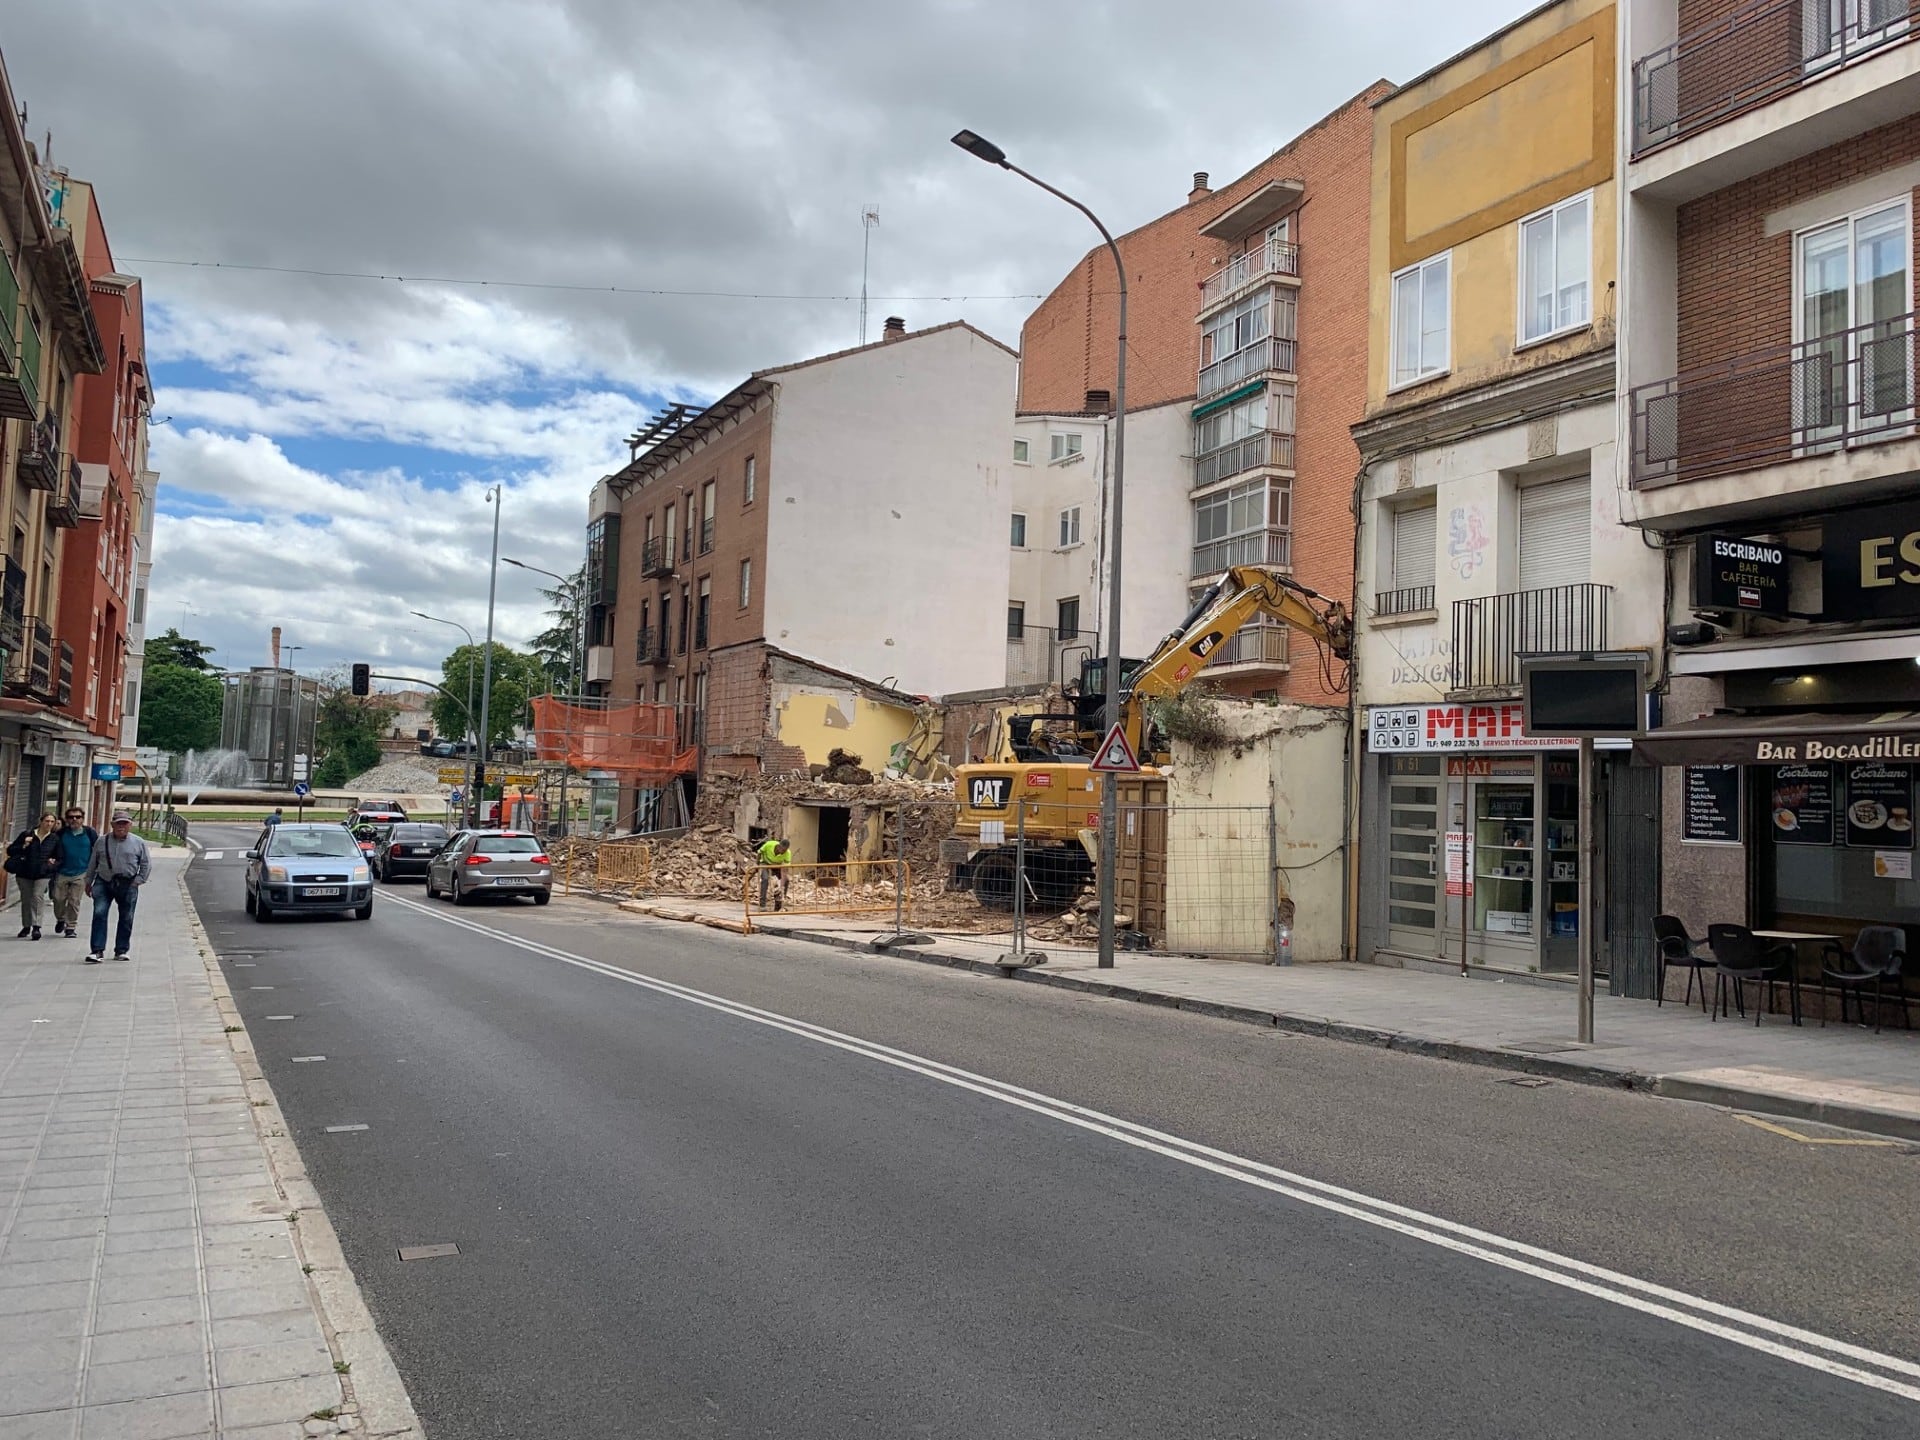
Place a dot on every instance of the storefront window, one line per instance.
(1842, 842)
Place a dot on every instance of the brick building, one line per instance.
(846, 513)
(1247, 313)
(1767, 356)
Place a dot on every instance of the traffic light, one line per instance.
(362, 679)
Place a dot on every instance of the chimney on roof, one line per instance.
(275, 647)
(1099, 402)
(894, 329)
(1200, 187)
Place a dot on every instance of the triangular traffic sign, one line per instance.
(1115, 754)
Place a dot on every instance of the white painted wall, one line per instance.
(1043, 572)
(888, 500)
(1157, 521)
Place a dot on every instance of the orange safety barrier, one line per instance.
(851, 887)
(617, 865)
(641, 742)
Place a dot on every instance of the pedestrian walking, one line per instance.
(773, 856)
(275, 818)
(77, 839)
(120, 866)
(34, 859)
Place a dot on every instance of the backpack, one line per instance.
(18, 852)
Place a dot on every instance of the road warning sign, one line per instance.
(1115, 754)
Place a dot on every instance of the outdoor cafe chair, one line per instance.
(1740, 956)
(1674, 946)
(1878, 957)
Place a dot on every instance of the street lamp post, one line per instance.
(469, 667)
(984, 149)
(486, 671)
(572, 592)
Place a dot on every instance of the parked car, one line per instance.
(375, 812)
(437, 747)
(405, 850)
(490, 862)
(295, 867)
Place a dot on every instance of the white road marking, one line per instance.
(342, 1129)
(279, 1017)
(1755, 1332)
(307, 1059)
(213, 854)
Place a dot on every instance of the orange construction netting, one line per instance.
(629, 737)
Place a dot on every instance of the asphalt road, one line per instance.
(680, 1215)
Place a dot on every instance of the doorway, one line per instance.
(832, 843)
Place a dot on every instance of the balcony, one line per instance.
(1040, 655)
(1270, 355)
(1271, 448)
(700, 633)
(1492, 632)
(40, 456)
(1409, 600)
(13, 606)
(656, 557)
(599, 663)
(1271, 546)
(706, 537)
(1754, 53)
(18, 400)
(1783, 403)
(650, 647)
(63, 508)
(31, 667)
(1260, 644)
(63, 676)
(1275, 258)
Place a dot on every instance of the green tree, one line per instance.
(517, 678)
(180, 708)
(173, 648)
(347, 732)
(561, 643)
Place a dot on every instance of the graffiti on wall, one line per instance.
(1467, 539)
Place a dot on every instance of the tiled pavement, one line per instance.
(154, 1279)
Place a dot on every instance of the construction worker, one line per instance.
(773, 852)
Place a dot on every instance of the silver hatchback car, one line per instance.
(490, 862)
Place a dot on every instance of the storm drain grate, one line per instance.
(1528, 1082)
(427, 1252)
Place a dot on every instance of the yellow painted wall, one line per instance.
(1459, 159)
(818, 720)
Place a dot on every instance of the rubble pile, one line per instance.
(843, 767)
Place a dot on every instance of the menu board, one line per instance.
(1803, 804)
(1710, 813)
(1880, 807)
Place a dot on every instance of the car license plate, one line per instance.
(511, 880)
(322, 892)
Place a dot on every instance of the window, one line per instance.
(703, 613)
(1231, 425)
(1016, 620)
(140, 606)
(746, 583)
(1245, 524)
(686, 613)
(1556, 291)
(1248, 323)
(1421, 320)
(1020, 452)
(1070, 526)
(659, 692)
(1853, 289)
(1065, 447)
(1410, 562)
(750, 485)
(1019, 532)
(709, 493)
(1067, 624)
(1556, 529)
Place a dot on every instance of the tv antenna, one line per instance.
(869, 217)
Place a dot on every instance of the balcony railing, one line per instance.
(1407, 600)
(700, 633)
(1752, 54)
(1273, 353)
(1492, 632)
(1789, 401)
(656, 557)
(1276, 257)
(1263, 447)
(62, 693)
(31, 667)
(40, 456)
(1040, 655)
(706, 537)
(63, 509)
(13, 606)
(1257, 644)
(1256, 547)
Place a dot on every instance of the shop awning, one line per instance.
(1790, 739)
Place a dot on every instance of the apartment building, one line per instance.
(49, 339)
(1246, 367)
(1489, 514)
(847, 512)
(1767, 415)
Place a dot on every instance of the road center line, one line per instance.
(1755, 1332)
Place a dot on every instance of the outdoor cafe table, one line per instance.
(1795, 938)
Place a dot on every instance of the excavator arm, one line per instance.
(1228, 604)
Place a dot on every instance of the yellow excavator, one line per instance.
(1049, 775)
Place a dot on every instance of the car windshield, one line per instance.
(327, 842)
(415, 833)
(508, 845)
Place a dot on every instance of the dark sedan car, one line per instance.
(406, 849)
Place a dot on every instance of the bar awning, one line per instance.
(1783, 739)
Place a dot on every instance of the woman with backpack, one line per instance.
(34, 859)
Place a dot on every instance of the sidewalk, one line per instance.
(165, 1269)
(1840, 1075)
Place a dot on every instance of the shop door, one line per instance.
(1413, 853)
(1503, 806)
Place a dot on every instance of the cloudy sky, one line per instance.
(324, 443)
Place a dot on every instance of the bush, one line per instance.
(353, 755)
(1192, 716)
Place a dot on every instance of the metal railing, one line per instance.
(700, 633)
(61, 689)
(1042, 655)
(63, 509)
(1852, 388)
(1276, 257)
(706, 537)
(13, 605)
(1257, 547)
(1407, 600)
(1256, 644)
(656, 556)
(1272, 353)
(1750, 55)
(1492, 632)
(1263, 447)
(850, 887)
(31, 667)
(40, 455)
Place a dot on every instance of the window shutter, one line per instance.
(1556, 526)
(1413, 547)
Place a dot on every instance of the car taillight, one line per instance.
(478, 859)
(536, 860)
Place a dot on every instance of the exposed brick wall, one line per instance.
(738, 698)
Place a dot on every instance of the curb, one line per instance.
(374, 1393)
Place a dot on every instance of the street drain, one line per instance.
(427, 1252)
(1526, 1082)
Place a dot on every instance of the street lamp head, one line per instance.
(980, 147)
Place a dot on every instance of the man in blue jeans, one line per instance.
(120, 866)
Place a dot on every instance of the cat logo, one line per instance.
(1207, 644)
(988, 792)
